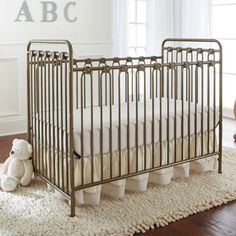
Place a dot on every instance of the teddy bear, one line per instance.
(18, 168)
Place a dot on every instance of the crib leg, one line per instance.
(220, 143)
(72, 204)
(220, 163)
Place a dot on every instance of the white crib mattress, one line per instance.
(115, 124)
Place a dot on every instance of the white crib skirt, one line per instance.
(116, 189)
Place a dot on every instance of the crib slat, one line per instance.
(92, 128)
(172, 79)
(66, 122)
(34, 112)
(82, 126)
(112, 85)
(157, 85)
(175, 111)
(42, 97)
(177, 87)
(133, 79)
(208, 108)
(182, 115)
(192, 77)
(202, 109)
(45, 119)
(37, 117)
(211, 54)
(214, 108)
(138, 84)
(102, 62)
(119, 121)
(57, 145)
(106, 89)
(196, 109)
(136, 125)
(188, 78)
(49, 118)
(110, 118)
(77, 87)
(53, 124)
(101, 118)
(168, 116)
(145, 120)
(128, 119)
(130, 71)
(160, 111)
(116, 61)
(150, 82)
(199, 58)
(31, 78)
(153, 112)
(62, 122)
(85, 92)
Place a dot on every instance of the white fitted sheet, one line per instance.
(115, 124)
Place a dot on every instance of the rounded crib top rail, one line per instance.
(49, 41)
(192, 40)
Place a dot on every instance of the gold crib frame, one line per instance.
(55, 79)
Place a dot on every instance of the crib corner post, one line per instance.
(221, 108)
(71, 130)
(28, 94)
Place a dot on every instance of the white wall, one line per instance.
(191, 18)
(91, 36)
(161, 24)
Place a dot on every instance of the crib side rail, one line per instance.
(50, 112)
(190, 76)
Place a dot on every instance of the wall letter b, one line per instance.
(49, 14)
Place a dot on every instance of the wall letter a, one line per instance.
(24, 11)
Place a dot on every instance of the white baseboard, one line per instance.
(228, 112)
(13, 126)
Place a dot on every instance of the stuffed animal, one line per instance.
(18, 168)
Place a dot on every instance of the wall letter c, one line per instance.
(66, 12)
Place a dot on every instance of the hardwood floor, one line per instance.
(6, 143)
(219, 221)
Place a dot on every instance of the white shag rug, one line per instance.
(35, 211)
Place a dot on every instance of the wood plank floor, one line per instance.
(218, 221)
(6, 143)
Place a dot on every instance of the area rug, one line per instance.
(35, 210)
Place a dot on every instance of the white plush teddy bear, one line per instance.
(18, 168)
